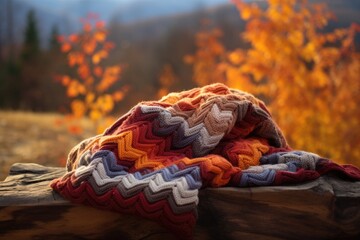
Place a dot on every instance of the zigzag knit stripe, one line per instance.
(113, 200)
(154, 159)
(305, 160)
(264, 178)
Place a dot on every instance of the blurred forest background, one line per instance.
(68, 68)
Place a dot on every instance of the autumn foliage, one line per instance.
(206, 67)
(309, 77)
(88, 85)
(166, 79)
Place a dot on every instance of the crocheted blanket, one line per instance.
(154, 160)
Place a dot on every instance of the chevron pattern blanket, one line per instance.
(154, 160)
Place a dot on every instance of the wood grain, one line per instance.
(328, 208)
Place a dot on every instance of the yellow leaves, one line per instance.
(100, 36)
(309, 77)
(110, 76)
(88, 88)
(162, 92)
(99, 108)
(166, 79)
(75, 58)
(248, 11)
(105, 103)
(245, 13)
(89, 46)
(104, 124)
(98, 56)
(210, 51)
(118, 96)
(167, 76)
(75, 88)
(78, 108)
(242, 82)
(320, 79)
(309, 51)
(236, 57)
(232, 75)
(237, 79)
(89, 98)
(95, 115)
(296, 38)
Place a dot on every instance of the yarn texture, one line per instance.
(153, 160)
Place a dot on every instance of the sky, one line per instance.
(107, 8)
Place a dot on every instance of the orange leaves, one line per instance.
(308, 76)
(236, 57)
(111, 74)
(66, 43)
(100, 24)
(89, 46)
(75, 129)
(83, 71)
(89, 98)
(120, 94)
(248, 11)
(88, 89)
(65, 80)
(300, 63)
(98, 71)
(205, 60)
(78, 108)
(105, 103)
(87, 27)
(166, 79)
(98, 56)
(65, 47)
(75, 58)
(75, 88)
(296, 38)
(73, 38)
(100, 36)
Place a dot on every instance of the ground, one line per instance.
(37, 138)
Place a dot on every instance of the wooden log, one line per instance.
(328, 208)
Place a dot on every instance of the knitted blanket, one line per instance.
(154, 160)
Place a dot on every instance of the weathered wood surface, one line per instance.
(328, 208)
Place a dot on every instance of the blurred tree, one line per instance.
(53, 61)
(310, 78)
(166, 79)
(54, 44)
(205, 61)
(31, 67)
(9, 68)
(88, 87)
(10, 30)
(31, 40)
(10, 93)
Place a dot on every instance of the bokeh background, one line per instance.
(68, 68)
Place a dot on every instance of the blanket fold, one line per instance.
(154, 159)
